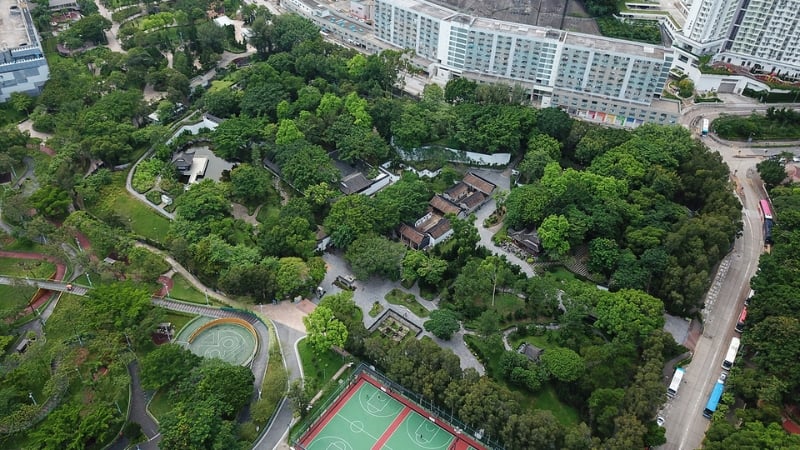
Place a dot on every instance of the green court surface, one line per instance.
(371, 419)
(419, 432)
(227, 341)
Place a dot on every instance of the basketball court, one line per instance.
(367, 417)
(225, 339)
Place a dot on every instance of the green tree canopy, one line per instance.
(563, 363)
(442, 324)
(372, 255)
(167, 364)
(324, 330)
(629, 314)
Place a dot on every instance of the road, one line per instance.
(684, 423)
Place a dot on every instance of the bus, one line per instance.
(731, 356)
(740, 323)
(713, 400)
(704, 129)
(765, 210)
(672, 391)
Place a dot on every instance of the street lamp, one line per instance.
(30, 394)
(89, 279)
(207, 297)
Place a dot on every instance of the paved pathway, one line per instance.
(141, 197)
(502, 179)
(27, 125)
(137, 412)
(111, 35)
(278, 430)
(375, 290)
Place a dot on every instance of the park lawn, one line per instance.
(268, 214)
(32, 268)
(178, 320)
(505, 307)
(398, 297)
(219, 84)
(561, 274)
(490, 354)
(183, 290)
(15, 301)
(160, 405)
(507, 304)
(547, 399)
(21, 245)
(376, 309)
(143, 220)
(318, 369)
(537, 341)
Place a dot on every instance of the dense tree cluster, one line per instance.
(206, 395)
(654, 205)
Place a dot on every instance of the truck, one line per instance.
(704, 129)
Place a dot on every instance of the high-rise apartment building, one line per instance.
(759, 35)
(23, 67)
(598, 78)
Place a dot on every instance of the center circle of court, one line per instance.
(227, 341)
(357, 426)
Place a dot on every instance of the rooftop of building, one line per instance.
(442, 205)
(479, 183)
(441, 228)
(411, 235)
(354, 183)
(513, 28)
(545, 14)
(542, 29)
(13, 31)
(617, 45)
(428, 9)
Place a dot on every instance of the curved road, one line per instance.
(684, 423)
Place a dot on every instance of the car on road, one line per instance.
(69, 287)
(723, 376)
(660, 421)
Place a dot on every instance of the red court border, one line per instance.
(328, 415)
(392, 428)
(461, 440)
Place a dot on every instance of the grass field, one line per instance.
(14, 301)
(177, 319)
(491, 353)
(547, 399)
(268, 214)
(141, 218)
(160, 405)
(538, 341)
(26, 268)
(182, 290)
(318, 369)
(398, 297)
